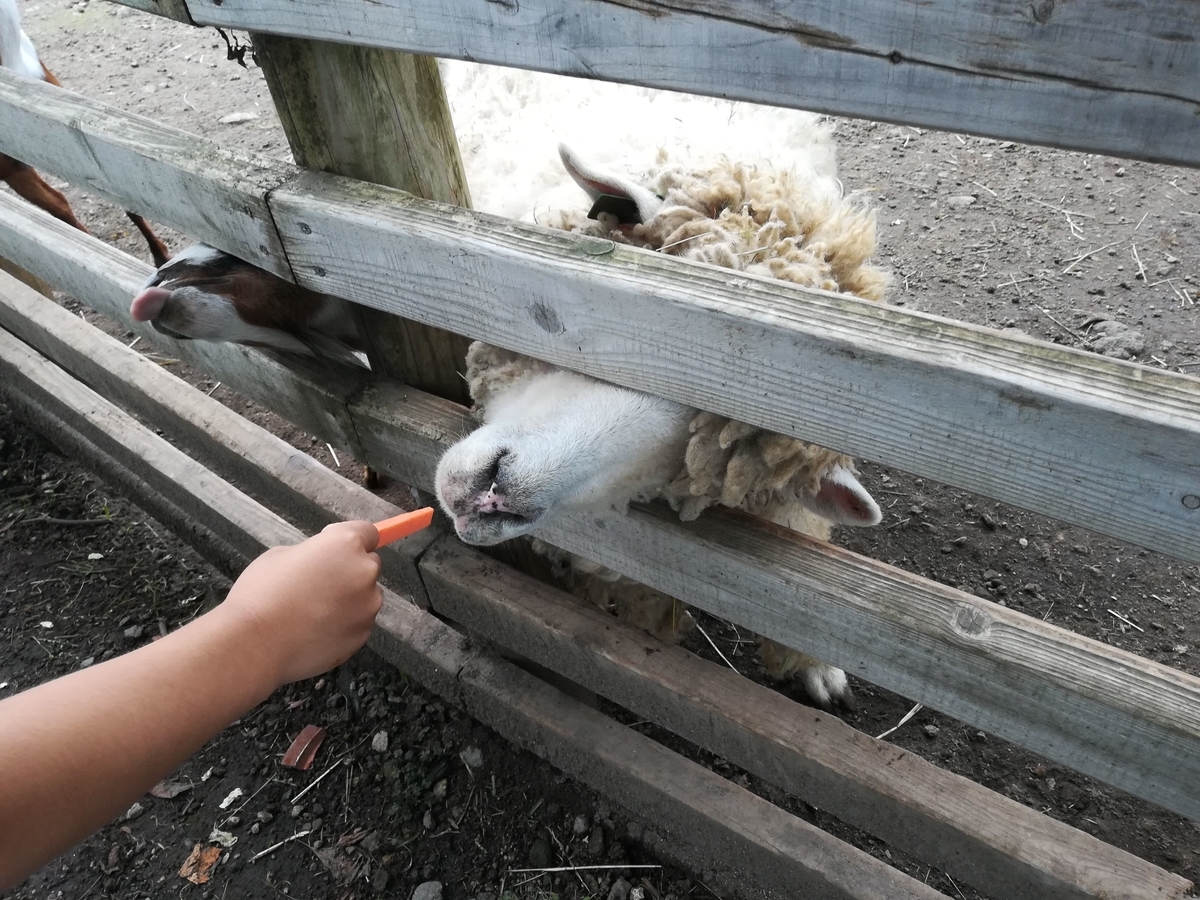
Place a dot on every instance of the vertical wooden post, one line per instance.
(378, 116)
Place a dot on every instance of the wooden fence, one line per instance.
(927, 395)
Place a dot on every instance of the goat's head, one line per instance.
(207, 294)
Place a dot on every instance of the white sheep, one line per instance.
(554, 441)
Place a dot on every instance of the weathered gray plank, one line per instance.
(1110, 714)
(1122, 79)
(779, 585)
(989, 841)
(770, 847)
(214, 194)
(284, 478)
(1112, 446)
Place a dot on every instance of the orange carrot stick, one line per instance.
(403, 525)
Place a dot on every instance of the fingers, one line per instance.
(363, 530)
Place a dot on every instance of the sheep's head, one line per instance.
(495, 486)
(553, 441)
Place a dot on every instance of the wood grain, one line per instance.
(716, 824)
(212, 193)
(1120, 78)
(1107, 445)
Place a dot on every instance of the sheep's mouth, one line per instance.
(500, 517)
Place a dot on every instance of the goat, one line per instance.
(207, 294)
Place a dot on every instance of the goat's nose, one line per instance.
(148, 304)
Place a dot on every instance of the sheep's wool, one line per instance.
(756, 220)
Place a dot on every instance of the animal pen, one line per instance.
(1105, 445)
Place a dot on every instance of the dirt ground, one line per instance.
(1083, 250)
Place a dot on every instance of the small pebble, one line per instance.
(134, 811)
(133, 632)
(297, 811)
(619, 890)
(379, 743)
(595, 844)
(440, 789)
(581, 825)
(428, 890)
(540, 854)
(472, 756)
(379, 881)
(931, 731)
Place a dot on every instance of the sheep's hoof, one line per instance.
(829, 688)
(373, 480)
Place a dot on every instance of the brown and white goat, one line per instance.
(205, 294)
(18, 54)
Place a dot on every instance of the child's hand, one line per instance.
(312, 604)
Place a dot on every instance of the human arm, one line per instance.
(77, 751)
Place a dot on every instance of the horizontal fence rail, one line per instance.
(968, 831)
(1110, 446)
(1121, 79)
(1110, 714)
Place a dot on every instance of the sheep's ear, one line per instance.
(629, 202)
(842, 499)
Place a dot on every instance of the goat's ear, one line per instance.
(632, 204)
(842, 499)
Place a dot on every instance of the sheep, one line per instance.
(18, 54)
(553, 442)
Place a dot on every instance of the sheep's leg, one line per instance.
(826, 685)
(158, 250)
(29, 184)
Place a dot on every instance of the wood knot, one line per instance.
(971, 620)
(1191, 501)
(1042, 11)
(547, 319)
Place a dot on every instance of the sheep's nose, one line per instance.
(147, 305)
